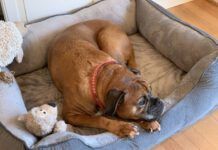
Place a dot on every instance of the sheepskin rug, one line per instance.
(10, 43)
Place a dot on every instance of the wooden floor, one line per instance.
(204, 134)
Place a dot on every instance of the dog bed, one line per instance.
(178, 60)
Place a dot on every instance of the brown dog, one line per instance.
(87, 63)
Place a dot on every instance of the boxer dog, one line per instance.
(88, 64)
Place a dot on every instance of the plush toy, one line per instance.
(42, 120)
(10, 46)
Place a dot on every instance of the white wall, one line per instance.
(32, 10)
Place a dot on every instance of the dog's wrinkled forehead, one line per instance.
(138, 89)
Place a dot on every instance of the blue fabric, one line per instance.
(11, 106)
(94, 141)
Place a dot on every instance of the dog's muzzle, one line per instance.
(154, 110)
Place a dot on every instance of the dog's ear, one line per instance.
(113, 99)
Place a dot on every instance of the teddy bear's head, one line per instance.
(40, 120)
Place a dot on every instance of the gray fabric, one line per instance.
(189, 81)
(178, 42)
(40, 34)
(194, 106)
(37, 88)
(9, 142)
(12, 105)
(94, 141)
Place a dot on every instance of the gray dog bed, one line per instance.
(178, 60)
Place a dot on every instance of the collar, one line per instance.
(93, 83)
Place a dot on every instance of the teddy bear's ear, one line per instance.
(22, 118)
(52, 103)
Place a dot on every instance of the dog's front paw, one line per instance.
(124, 129)
(6, 77)
(150, 126)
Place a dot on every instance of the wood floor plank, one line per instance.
(184, 142)
(208, 128)
(170, 144)
(197, 139)
(215, 115)
(160, 147)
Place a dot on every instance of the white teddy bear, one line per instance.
(10, 46)
(42, 120)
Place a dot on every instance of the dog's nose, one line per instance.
(52, 104)
(156, 105)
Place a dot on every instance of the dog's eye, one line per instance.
(141, 101)
(44, 112)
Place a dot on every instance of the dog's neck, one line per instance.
(112, 77)
(93, 82)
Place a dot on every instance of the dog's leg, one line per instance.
(120, 128)
(131, 64)
(150, 126)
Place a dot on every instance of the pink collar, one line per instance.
(93, 83)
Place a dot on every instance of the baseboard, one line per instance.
(170, 3)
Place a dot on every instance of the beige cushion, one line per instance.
(40, 34)
(162, 74)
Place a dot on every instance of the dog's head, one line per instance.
(134, 102)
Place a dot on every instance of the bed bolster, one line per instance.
(194, 106)
(11, 106)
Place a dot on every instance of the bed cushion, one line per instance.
(161, 73)
(11, 106)
(40, 34)
(180, 42)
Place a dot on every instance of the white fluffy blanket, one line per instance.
(10, 44)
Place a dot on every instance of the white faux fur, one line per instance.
(10, 43)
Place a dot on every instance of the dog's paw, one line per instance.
(6, 77)
(124, 129)
(150, 126)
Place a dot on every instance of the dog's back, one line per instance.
(74, 52)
